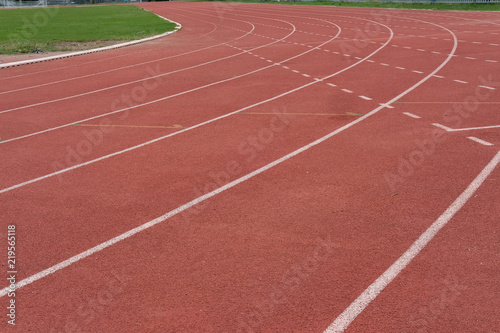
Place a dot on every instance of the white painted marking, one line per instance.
(411, 115)
(306, 75)
(295, 71)
(435, 52)
(365, 98)
(400, 67)
(471, 58)
(383, 64)
(407, 47)
(460, 81)
(421, 50)
(472, 128)
(491, 61)
(370, 293)
(443, 127)
(485, 143)
(269, 60)
(347, 91)
(477, 43)
(370, 60)
(439, 76)
(419, 72)
(486, 87)
(386, 105)
(331, 84)
(493, 44)
(286, 67)
(100, 49)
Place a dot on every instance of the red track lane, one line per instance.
(287, 249)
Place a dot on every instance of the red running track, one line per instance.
(265, 169)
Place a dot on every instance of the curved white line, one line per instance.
(100, 49)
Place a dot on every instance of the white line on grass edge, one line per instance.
(370, 293)
(100, 49)
(202, 198)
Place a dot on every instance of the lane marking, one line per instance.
(100, 49)
(486, 87)
(304, 114)
(439, 76)
(485, 143)
(419, 72)
(366, 98)
(347, 91)
(370, 293)
(412, 115)
(446, 128)
(460, 81)
(465, 129)
(331, 85)
(132, 126)
(400, 67)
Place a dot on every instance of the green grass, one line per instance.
(49, 29)
(376, 4)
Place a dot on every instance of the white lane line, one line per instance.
(365, 98)
(347, 91)
(446, 128)
(439, 76)
(306, 75)
(384, 64)
(491, 60)
(421, 50)
(100, 49)
(486, 87)
(477, 43)
(471, 58)
(466, 129)
(331, 85)
(130, 233)
(419, 72)
(460, 81)
(485, 143)
(370, 293)
(286, 67)
(295, 71)
(370, 61)
(493, 44)
(400, 67)
(409, 114)
(435, 52)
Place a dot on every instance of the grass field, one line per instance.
(376, 4)
(55, 29)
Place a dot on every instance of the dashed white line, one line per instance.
(384, 64)
(295, 71)
(460, 81)
(306, 75)
(400, 67)
(486, 87)
(415, 71)
(491, 61)
(438, 76)
(471, 58)
(365, 98)
(347, 91)
(331, 84)
(409, 114)
(485, 143)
